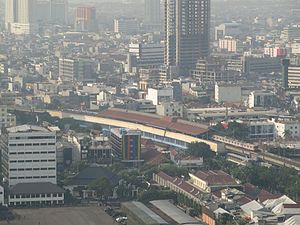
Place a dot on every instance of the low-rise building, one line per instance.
(286, 128)
(170, 109)
(209, 181)
(261, 99)
(139, 214)
(36, 194)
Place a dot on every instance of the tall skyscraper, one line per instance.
(187, 31)
(10, 13)
(20, 16)
(85, 19)
(152, 12)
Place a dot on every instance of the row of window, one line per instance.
(36, 195)
(32, 137)
(31, 144)
(30, 161)
(30, 153)
(30, 177)
(31, 169)
(36, 203)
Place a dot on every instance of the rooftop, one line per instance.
(180, 126)
(88, 175)
(36, 188)
(26, 128)
(144, 213)
(174, 213)
(217, 177)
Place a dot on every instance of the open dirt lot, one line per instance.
(62, 216)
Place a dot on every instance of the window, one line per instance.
(44, 144)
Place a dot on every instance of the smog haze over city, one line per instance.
(150, 112)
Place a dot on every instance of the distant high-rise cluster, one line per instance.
(85, 19)
(187, 30)
(20, 16)
(23, 16)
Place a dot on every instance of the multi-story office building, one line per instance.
(227, 29)
(28, 155)
(229, 44)
(213, 70)
(186, 33)
(6, 119)
(126, 144)
(253, 64)
(147, 55)
(160, 94)
(152, 13)
(75, 69)
(291, 75)
(291, 33)
(126, 25)
(85, 19)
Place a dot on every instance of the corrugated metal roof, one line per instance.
(174, 213)
(144, 213)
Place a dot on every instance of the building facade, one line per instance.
(160, 94)
(126, 25)
(20, 16)
(29, 155)
(126, 144)
(186, 33)
(85, 19)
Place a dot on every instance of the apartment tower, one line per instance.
(187, 28)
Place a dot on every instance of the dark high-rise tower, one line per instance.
(187, 31)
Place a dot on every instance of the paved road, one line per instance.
(62, 216)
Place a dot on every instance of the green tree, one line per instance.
(200, 149)
(102, 186)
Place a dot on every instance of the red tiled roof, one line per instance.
(265, 195)
(180, 126)
(181, 184)
(244, 200)
(218, 177)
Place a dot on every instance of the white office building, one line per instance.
(126, 25)
(228, 93)
(160, 94)
(28, 155)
